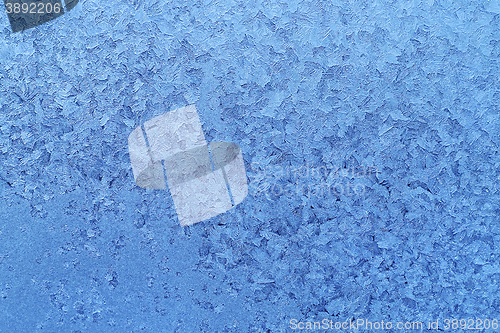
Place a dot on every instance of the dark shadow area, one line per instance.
(26, 14)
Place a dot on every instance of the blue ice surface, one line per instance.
(408, 90)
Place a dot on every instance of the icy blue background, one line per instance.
(410, 87)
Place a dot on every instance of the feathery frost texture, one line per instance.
(370, 134)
